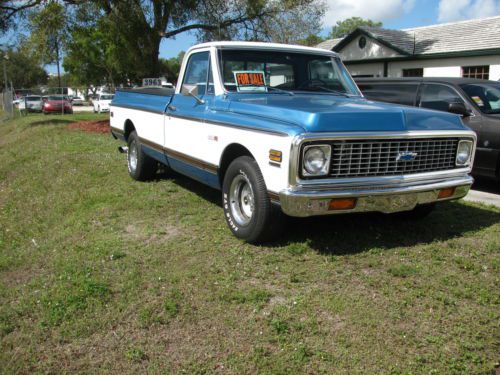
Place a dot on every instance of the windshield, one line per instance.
(33, 98)
(106, 97)
(257, 71)
(485, 95)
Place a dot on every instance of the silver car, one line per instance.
(33, 103)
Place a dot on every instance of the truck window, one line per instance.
(438, 97)
(195, 78)
(390, 93)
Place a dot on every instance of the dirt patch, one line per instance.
(148, 235)
(101, 126)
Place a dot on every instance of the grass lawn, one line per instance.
(99, 273)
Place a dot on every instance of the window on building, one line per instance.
(479, 72)
(415, 72)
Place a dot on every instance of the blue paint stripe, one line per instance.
(195, 173)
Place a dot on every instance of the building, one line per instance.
(459, 49)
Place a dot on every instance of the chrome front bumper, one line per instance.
(308, 201)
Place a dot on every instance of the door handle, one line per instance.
(172, 108)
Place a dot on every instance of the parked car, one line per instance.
(284, 129)
(101, 104)
(76, 100)
(57, 104)
(33, 103)
(477, 101)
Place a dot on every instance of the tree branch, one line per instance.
(204, 26)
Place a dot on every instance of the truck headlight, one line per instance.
(464, 152)
(316, 160)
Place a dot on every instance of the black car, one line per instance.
(476, 100)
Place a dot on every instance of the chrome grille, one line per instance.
(358, 158)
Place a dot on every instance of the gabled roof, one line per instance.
(329, 44)
(465, 36)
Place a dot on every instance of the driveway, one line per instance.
(83, 108)
(485, 191)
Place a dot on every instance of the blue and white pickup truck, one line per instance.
(284, 129)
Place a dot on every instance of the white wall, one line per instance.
(372, 50)
(443, 71)
(451, 67)
(372, 69)
(495, 72)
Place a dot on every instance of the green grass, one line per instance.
(101, 274)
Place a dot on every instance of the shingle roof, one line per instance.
(472, 35)
(329, 44)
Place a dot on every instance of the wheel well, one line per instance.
(231, 152)
(129, 128)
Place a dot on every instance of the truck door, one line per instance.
(185, 132)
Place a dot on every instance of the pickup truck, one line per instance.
(284, 129)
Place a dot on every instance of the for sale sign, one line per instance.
(250, 80)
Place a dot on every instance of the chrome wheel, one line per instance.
(241, 200)
(132, 156)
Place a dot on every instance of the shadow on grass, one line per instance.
(52, 121)
(355, 233)
(350, 234)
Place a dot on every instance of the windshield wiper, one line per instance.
(340, 93)
(280, 90)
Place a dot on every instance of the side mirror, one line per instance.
(459, 109)
(188, 90)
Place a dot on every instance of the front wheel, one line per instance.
(248, 211)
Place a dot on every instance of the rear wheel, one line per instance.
(141, 167)
(248, 211)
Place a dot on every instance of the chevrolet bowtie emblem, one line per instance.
(406, 156)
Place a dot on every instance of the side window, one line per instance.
(323, 72)
(392, 93)
(438, 97)
(195, 78)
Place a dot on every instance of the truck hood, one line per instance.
(331, 113)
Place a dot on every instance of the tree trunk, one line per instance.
(155, 53)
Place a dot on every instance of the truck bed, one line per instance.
(149, 99)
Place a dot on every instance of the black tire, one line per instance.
(248, 210)
(418, 213)
(144, 166)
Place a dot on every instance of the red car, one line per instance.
(57, 104)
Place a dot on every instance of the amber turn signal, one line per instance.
(342, 204)
(275, 155)
(446, 193)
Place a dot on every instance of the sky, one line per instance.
(395, 14)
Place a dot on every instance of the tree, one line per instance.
(311, 40)
(48, 33)
(345, 27)
(92, 58)
(10, 9)
(138, 27)
(23, 69)
(170, 68)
